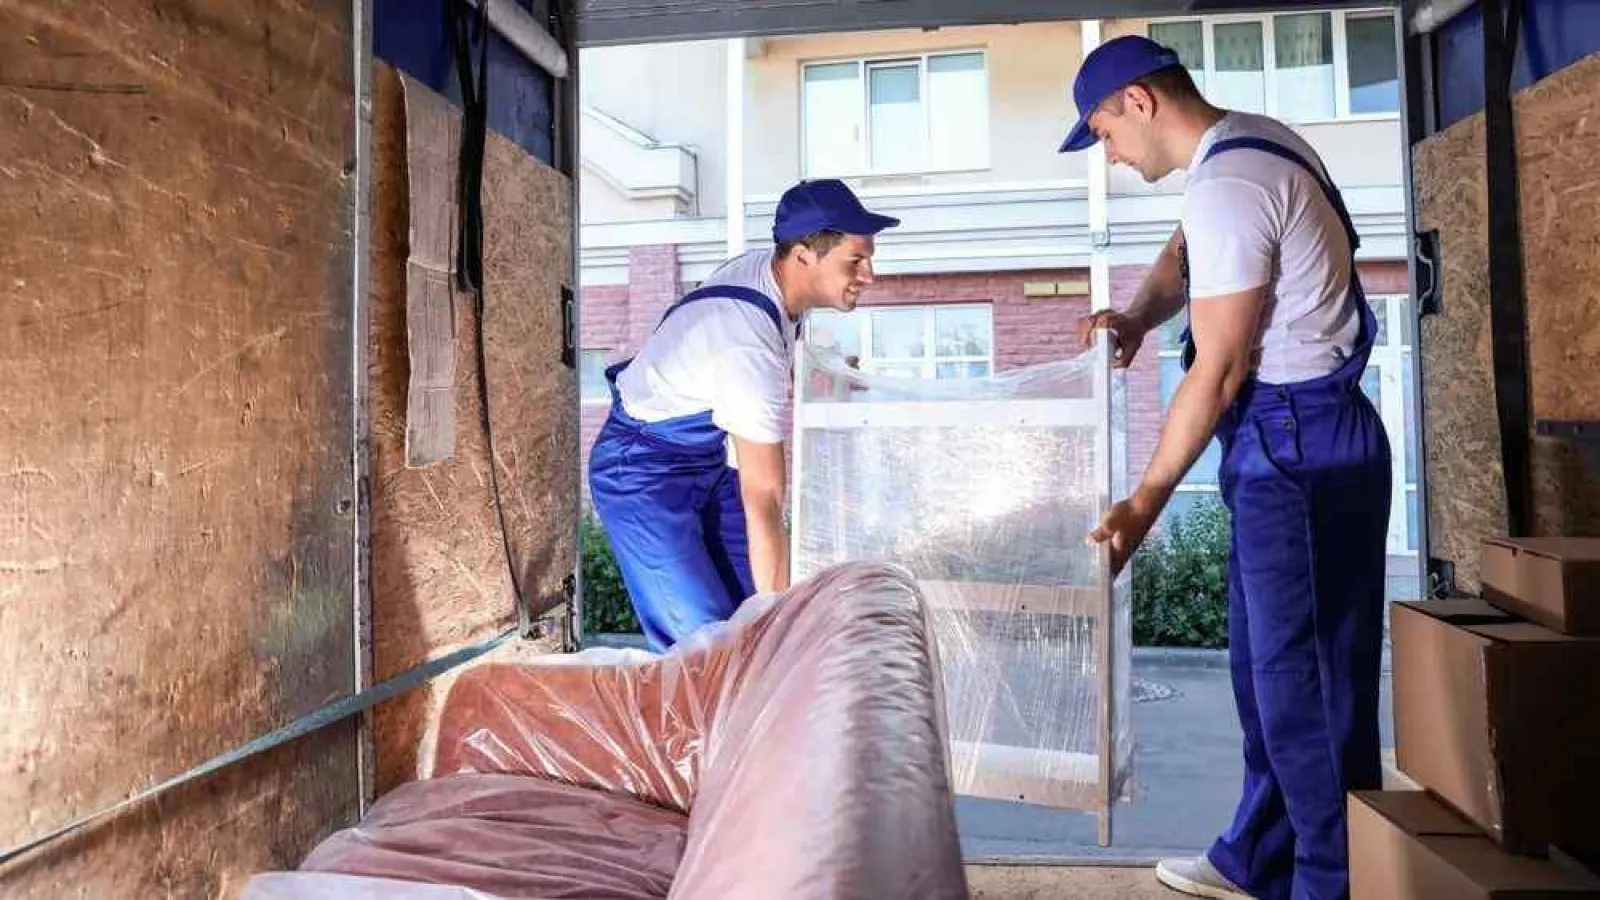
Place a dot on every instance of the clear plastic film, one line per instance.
(795, 751)
(985, 489)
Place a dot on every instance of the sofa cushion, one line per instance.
(512, 836)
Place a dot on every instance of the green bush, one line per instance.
(1180, 582)
(606, 608)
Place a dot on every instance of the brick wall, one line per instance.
(616, 319)
(1027, 331)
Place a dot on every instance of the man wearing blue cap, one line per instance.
(1279, 334)
(688, 472)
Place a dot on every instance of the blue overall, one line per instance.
(1305, 475)
(671, 507)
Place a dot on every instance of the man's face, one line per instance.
(1125, 124)
(838, 276)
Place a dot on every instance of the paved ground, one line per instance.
(1187, 775)
(1059, 882)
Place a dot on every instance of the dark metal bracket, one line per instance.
(1585, 434)
(1425, 250)
(1441, 579)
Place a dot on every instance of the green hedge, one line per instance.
(606, 609)
(1180, 582)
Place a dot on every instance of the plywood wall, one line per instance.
(440, 575)
(1558, 143)
(175, 428)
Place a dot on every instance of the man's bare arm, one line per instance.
(762, 483)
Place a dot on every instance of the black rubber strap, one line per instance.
(1508, 306)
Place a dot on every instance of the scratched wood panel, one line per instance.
(175, 432)
(1558, 136)
(440, 577)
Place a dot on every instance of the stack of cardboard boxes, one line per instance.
(1497, 717)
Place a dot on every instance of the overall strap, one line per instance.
(1328, 190)
(731, 292)
(1331, 193)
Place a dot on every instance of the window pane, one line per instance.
(830, 329)
(1240, 64)
(962, 331)
(1372, 386)
(897, 333)
(1380, 309)
(962, 370)
(1374, 74)
(958, 111)
(895, 371)
(592, 376)
(1303, 45)
(832, 116)
(1205, 468)
(1408, 323)
(1188, 40)
(895, 108)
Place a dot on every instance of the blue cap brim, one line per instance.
(1079, 138)
(867, 225)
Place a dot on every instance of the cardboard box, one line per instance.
(1553, 581)
(1498, 717)
(1404, 845)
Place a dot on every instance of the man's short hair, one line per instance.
(820, 243)
(1174, 83)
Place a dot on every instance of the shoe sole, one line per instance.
(1195, 889)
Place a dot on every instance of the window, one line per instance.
(592, 387)
(1370, 58)
(906, 114)
(1202, 476)
(1299, 67)
(910, 341)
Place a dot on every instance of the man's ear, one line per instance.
(1140, 98)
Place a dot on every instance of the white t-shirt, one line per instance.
(719, 354)
(1250, 219)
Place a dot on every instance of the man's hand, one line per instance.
(1127, 333)
(1126, 525)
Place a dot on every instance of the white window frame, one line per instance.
(1269, 57)
(864, 166)
(1389, 358)
(930, 362)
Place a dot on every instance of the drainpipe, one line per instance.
(735, 155)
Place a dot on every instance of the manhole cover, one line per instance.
(1146, 691)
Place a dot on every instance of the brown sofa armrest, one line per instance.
(636, 727)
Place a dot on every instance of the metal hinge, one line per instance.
(1425, 250)
(569, 328)
(557, 621)
(1441, 579)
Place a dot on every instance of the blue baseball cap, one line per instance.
(1111, 67)
(825, 204)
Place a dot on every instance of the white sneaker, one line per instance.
(1197, 878)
